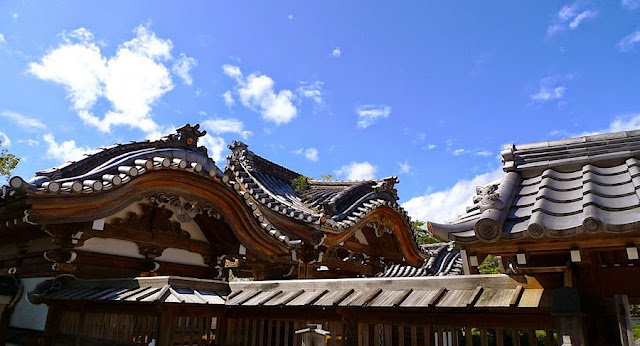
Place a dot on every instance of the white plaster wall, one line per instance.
(191, 226)
(111, 246)
(174, 255)
(133, 207)
(361, 238)
(193, 229)
(27, 315)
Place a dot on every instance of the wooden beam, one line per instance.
(624, 320)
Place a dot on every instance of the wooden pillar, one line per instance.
(166, 327)
(354, 329)
(570, 329)
(624, 320)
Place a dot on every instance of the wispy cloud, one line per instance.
(630, 4)
(182, 68)
(132, 81)
(228, 98)
(4, 140)
(30, 142)
(628, 42)
(446, 205)
(405, 167)
(2, 40)
(569, 18)
(23, 121)
(370, 114)
(220, 126)
(336, 52)
(358, 171)
(313, 92)
(257, 93)
(310, 153)
(550, 88)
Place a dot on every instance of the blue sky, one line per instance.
(427, 91)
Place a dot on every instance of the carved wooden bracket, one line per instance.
(153, 220)
(68, 235)
(150, 251)
(184, 210)
(381, 225)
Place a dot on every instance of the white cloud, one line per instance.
(220, 126)
(65, 151)
(580, 17)
(228, 99)
(215, 146)
(630, 4)
(30, 142)
(4, 140)
(628, 42)
(24, 121)
(310, 153)
(183, 66)
(550, 88)
(620, 123)
(545, 94)
(358, 171)
(15, 16)
(312, 91)
(431, 146)
(290, 17)
(369, 114)
(570, 17)
(483, 153)
(233, 72)
(257, 93)
(405, 168)
(132, 81)
(336, 52)
(459, 152)
(448, 204)
(2, 40)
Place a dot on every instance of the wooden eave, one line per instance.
(599, 240)
(401, 230)
(58, 209)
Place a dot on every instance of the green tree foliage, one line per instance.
(8, 162)
(490, 265)
(301, 184)
(424, 236)
(327, 176)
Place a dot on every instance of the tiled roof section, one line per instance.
(469, 292)
(557, 189)
(164, 289)
(615, 147)
(444, 259)
(342, 202)
(477, 291)
(117, 165)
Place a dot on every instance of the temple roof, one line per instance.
(468, 292)
(557, 189)
(342, 203)
(444, 259)
(265, 187)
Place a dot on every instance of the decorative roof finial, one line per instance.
(189, 135)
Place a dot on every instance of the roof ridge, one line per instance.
(570, 151)
(186, 137)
